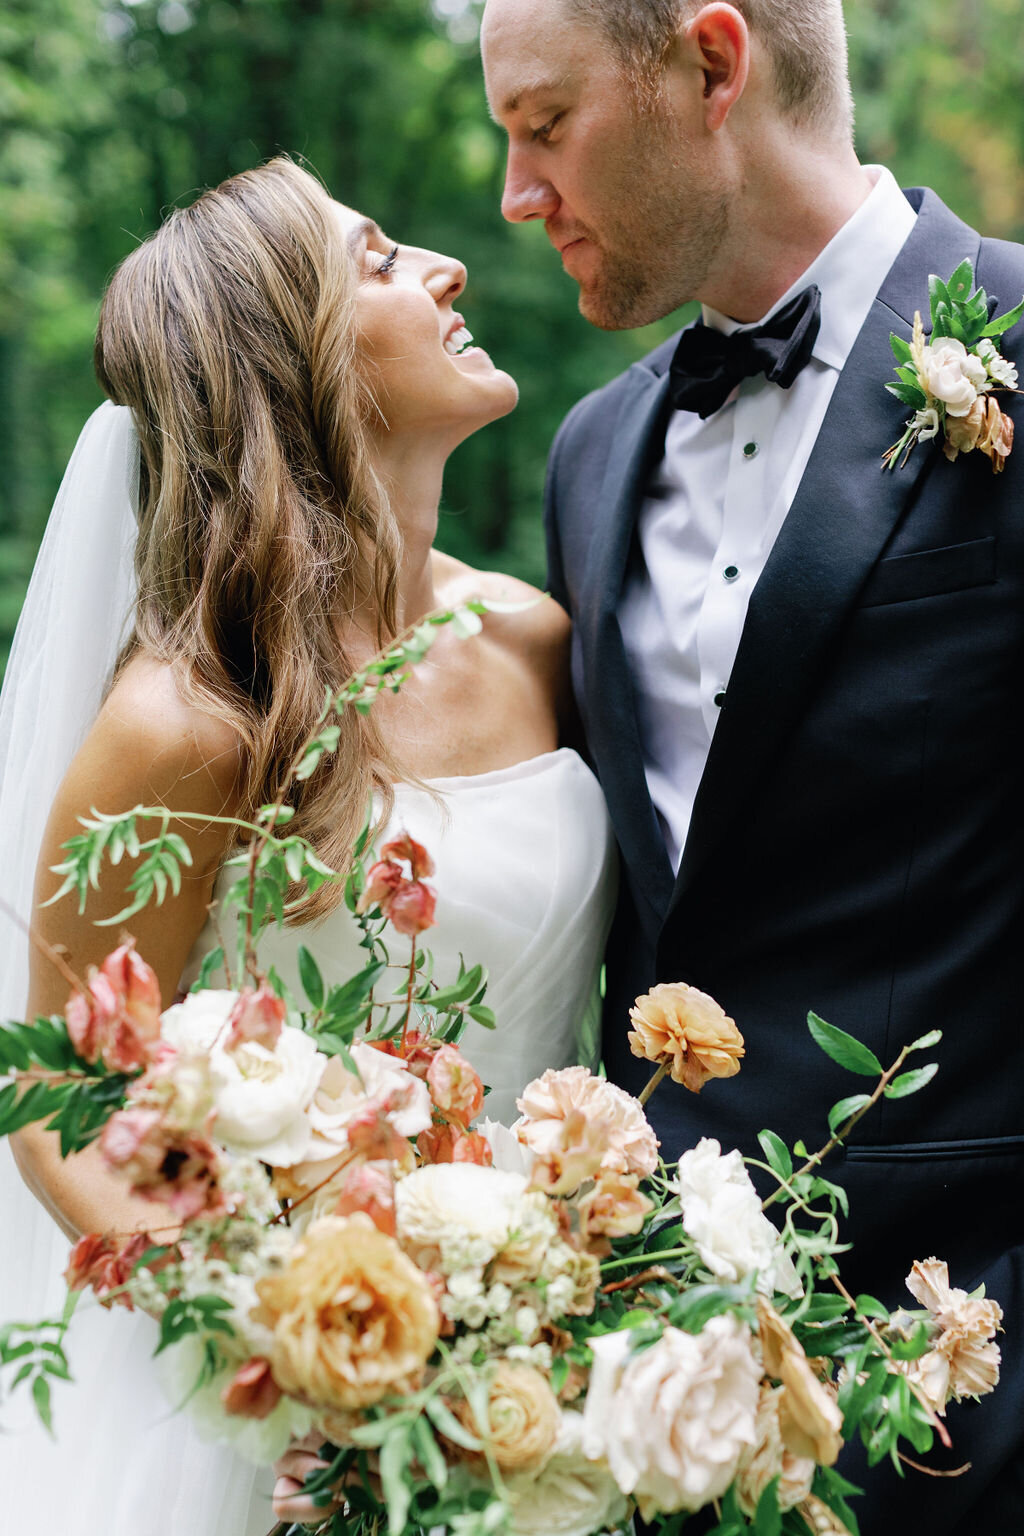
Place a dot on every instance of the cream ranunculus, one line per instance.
(453, 1216)
(260, 1096)
(953, 375)
(722, 1213)
(352, 1317)
(569, 1496)
(548, 1101)
(523, 1417)
(673, 1420)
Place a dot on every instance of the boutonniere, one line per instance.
(950, 379)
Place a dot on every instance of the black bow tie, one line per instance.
(708, 364)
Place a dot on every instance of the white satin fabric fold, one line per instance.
(526, 886)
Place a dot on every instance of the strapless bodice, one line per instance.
(525, 881)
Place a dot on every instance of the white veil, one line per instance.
(76, 615)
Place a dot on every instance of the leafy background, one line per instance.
(112, 110)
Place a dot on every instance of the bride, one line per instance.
(287, 385)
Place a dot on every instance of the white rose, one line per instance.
(999, 369)
(722, 1214)
(456, 1214)
(340, 1095)
(673, 1420)
(952, 374)
(260, 1096)
(570, 1496)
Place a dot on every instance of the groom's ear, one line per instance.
(713, 49)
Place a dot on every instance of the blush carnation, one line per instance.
(631, 1145)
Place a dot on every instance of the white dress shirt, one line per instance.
(716, 502)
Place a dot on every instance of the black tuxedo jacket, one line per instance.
(857, 843)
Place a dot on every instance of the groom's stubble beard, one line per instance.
(661, 255)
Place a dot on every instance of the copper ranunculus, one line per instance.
(524, 1417)
(353, 1319)
(687, 1030)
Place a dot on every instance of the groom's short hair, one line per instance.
(805, 40)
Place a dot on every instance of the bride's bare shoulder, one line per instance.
(163, 739)
(538, 624)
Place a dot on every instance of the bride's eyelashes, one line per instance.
(387, 266)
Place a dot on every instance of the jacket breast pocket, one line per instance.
(931, 572)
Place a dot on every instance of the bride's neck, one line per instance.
(412, 475)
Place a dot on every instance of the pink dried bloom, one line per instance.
(411, 908)
(382, 881)
(252, 1393)
(116, 1018)
(98, 1262)
(447, 1144)
(369, 1188)
(371, 1132)
(257, 1016)
(455, 1086)
(414, 854)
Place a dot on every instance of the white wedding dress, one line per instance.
(526, 886)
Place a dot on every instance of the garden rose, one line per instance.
(340, 1096)
(673, 1420)
(523, 1417)
(722, 1213)
(687, 1030)
(631, 1145)
(952, 374)
(260, 1094)
(352, 1318)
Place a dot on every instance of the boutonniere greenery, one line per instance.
(950, 378)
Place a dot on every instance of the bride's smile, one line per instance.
(429, 378)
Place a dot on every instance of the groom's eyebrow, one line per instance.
(541, 85)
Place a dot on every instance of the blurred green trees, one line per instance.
(112, 110)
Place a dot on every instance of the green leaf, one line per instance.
(870, 1306)
(429, 1453)
(699, 1303)
(960, 284)
(841, 1112)
(309, 975)
(925, 1042)
(914, 1347)
(41, 1398)
(909, 394)
(484, 1016)
(394, 1476)
(776, 1153)
(210, 963)
(843, 1048)
(909, 1082)
(768, 1516)
(900, 348)
(1003, 323)
(445, 1421)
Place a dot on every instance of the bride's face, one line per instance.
(428, 377)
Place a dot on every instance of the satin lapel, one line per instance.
(844, 512)
(613, 732)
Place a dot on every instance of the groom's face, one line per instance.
(632, 199)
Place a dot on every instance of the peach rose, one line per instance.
(352, 1318)
(524, 1417)
(679, 1026)
(630, 1144)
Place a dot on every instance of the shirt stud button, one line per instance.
(719, 697)
(731, 572)
(750, 450)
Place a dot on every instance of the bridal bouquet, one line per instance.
(532, 1329)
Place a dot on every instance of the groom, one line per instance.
(801, 677)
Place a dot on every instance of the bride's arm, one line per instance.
(147, 747)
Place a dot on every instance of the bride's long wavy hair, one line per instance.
(231, 334)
